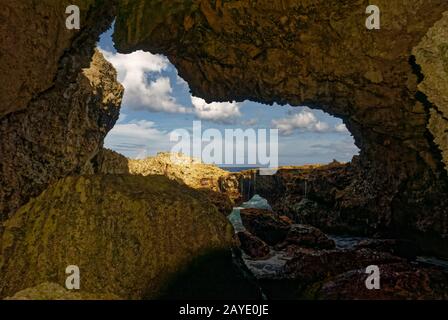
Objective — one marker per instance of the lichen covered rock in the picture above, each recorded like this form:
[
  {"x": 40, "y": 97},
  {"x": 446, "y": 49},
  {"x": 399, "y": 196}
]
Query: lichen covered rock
[
  {"x": 129, "y": 235},
  {"x": 189, "y": 171}
]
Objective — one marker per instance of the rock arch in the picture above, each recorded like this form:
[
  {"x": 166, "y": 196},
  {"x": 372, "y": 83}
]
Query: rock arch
[
  {"x": 386, "y": 84},
  {"x": 320, "y": 54}
]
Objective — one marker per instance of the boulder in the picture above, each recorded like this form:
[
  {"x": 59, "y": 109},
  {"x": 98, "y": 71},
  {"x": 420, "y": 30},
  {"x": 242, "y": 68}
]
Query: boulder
[
  {"x": 220, "y": 200},
  {"x": 286, "y": 219},
  {"x": 253, "y": 246},
  {"x": 265, "y": 225},
  {"x": 307, "y": 236},
  {"x": 309, "y": 265},
  {"x": 399, "y": 247},
  {"x": 398, "y": 281},
  {"x": 129, "y": 235}
]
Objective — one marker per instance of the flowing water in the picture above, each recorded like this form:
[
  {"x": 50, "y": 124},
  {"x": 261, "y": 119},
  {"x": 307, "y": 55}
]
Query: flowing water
[
  {"x": 261, "y": 269},
  {"x": 271, "y": 267}
]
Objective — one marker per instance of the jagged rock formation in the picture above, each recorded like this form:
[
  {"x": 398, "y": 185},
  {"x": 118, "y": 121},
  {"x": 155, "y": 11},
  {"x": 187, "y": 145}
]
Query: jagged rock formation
[
  {"x": 38, "y": 52},
  {"x": 319, "y": 53},
  {"x": 389, "y": 87},
  {"x": 108, "y": 162},
  {"x": 127, "y": 234},
  {"x": 58, "y": 134},
  {"x": 190, "y": 171},
  {"x": 59, "y": 97},
  {"x": 220, "y": 186},
  {"x": 310, "y": 195},
  {"x": 432, "y": 56}
]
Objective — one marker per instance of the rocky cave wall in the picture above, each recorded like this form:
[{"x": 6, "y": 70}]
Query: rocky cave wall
[
  {"x": 59, "y": 96},
  {"x": 320, "y": 54},
  {"x": 314, "y": 52}
]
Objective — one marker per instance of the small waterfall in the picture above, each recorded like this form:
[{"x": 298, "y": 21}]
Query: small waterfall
[
  {"x": 248, "y": 185},
  {"x": 235, "y": 220},
  {"x": 260, "y": 269},
  {"x": 255, "y": 182}
]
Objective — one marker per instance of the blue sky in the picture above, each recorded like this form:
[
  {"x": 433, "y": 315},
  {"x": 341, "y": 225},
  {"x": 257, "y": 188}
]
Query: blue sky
[{"x": 157, "y": 101}]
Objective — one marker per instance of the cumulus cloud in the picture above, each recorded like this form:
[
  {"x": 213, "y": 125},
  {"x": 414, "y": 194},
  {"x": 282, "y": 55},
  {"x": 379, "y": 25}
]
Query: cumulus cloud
[
  {"x": 220, "y": 112},
  {"x": 137, "y": 139},
  {"x": 306, "y": 121},
  {"x": 134, "y": 71},
  {"x": 303, "y": 121},
  {"x": 340, "y": 149},
  {"x": 250, "y": 123},
  {"x": 341, "y": 128}
]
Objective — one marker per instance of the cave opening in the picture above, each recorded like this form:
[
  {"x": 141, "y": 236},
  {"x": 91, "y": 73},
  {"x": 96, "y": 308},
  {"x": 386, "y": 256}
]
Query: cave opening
[
  {"x": 158, "y": 102},
  {"x": 64, "y": 195}
]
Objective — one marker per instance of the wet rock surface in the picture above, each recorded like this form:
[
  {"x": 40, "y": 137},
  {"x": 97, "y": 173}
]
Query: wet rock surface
[
  {"x": 306, "y": 236},
  {"x": 398, "y": 282},
  {"x": 265, "y": 224},
  {"x": 253, "y": 246},
  {"x": 309, "y": 264},
  {"x": 399, "y": 247}
]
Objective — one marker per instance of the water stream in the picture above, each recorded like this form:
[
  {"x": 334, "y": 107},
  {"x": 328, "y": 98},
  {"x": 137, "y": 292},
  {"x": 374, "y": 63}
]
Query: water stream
[{"x": 271, "y": 267}]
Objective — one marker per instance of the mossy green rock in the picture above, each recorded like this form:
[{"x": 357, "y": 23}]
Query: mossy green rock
[{"x": 129, "y": 235}]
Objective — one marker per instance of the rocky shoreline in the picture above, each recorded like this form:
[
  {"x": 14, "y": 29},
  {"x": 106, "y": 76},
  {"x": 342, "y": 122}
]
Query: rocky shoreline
[
  {"x": 297, "y": 261},
  {"x": 264, "y": 253},
  {"x": 160, "y": 229}
]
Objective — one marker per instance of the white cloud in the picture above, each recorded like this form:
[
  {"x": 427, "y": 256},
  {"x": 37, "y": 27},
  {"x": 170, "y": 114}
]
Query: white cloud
[
  {"x": 250, "y": 123},
  {"x": 341, "y": 128},
  {"x": 137, "y": 139},
  {"x": 306, "y": 121},
  {"x": 221, "y": 112},
  {"x": 303, "y": 121},
  {"x": 140, "y": 93}
]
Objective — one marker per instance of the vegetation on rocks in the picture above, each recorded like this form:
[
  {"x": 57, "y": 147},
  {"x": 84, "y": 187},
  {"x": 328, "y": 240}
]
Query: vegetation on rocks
[{"x": 128, "y": 235}]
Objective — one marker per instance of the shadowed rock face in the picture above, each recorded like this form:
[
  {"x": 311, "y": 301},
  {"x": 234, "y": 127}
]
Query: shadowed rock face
[
  {"x": 432, "y": 55},
  {"x": 58, "y": 134},
  {"x": 314, "y": 52},
  {"x": 59, "y": 96},
  {"x": 127, "y": 234},
  {"x": 319, "y": 53},
  {"x": 37, "y": 50}
]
